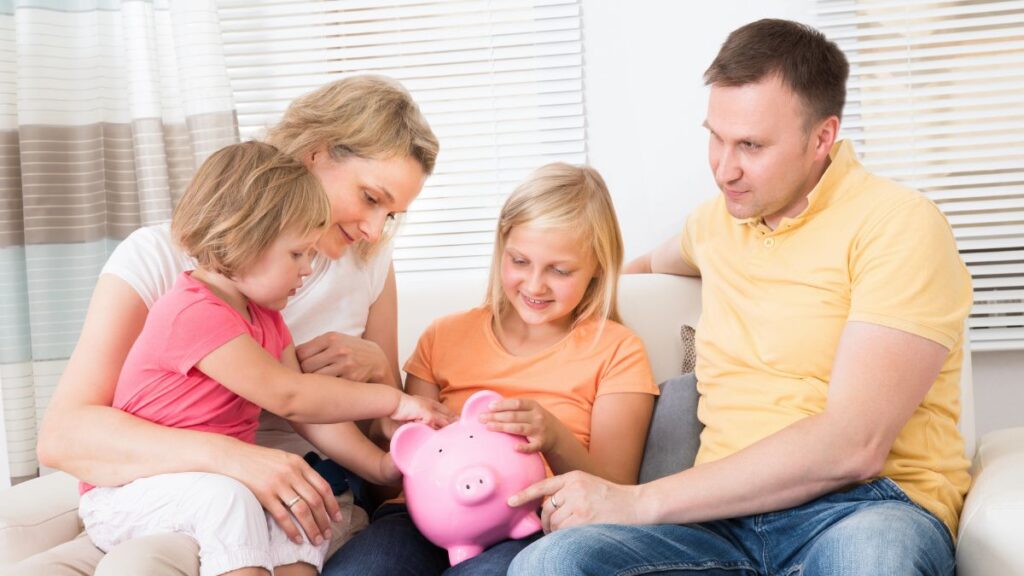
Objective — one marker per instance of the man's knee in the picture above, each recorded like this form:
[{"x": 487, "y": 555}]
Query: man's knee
[
  {"x": 159, "y": 555},
  {"x": 890, "y": 538},
  {"x": 563, "y": 552}
]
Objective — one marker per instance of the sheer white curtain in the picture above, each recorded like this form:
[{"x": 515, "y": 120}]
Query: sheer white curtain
[{"x": 106, "y": 109}]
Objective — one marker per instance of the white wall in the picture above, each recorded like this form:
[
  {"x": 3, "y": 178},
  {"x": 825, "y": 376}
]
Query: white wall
[
  {"x": 646, "y": 101},
  {"x": 645, "y": 105}
]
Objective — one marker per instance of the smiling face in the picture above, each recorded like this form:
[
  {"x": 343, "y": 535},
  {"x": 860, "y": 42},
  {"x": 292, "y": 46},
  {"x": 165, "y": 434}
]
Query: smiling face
[
  {"x": 278, "y": 272},
  {"x": 764, "y": 158},
  {"x": 544, "y": 275},
  {"x": 364, "y": 194}
]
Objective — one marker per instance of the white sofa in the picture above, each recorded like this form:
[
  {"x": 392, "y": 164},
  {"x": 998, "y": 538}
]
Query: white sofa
[{"x": 41, "y": 513}]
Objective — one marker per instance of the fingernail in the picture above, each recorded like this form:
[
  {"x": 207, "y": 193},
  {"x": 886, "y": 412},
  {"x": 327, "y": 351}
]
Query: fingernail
[
  {"x": 319, "y": 540},
  {"x": 493, "y": 405},
  {"x": 327, "y": 534},
  {"x": 513, "y": 501},
  {"x": 338, "y": 517},
  {"x": 297, "y": 539}
]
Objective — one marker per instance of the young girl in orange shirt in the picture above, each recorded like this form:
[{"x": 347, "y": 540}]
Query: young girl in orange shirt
[{"x": 577, "y": 383}]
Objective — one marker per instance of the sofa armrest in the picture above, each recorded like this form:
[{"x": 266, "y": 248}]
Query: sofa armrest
[
  {"x": 989, "y": 541},
  {"x": 37, "y": 515}
]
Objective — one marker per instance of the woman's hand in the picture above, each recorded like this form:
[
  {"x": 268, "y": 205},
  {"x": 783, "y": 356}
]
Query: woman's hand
[
  {"x": 526, "y": 418},
  {"x": 424, "y": 410},
  {"x": 349, "y": 357},
  {"x": 578, "y": 498},
  {"x": 276, "y": 478}
]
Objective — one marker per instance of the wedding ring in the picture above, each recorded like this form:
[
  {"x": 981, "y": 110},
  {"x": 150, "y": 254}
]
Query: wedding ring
[
  {"x": 554, "y": 505},
  {"x": 292, "y": 502}
]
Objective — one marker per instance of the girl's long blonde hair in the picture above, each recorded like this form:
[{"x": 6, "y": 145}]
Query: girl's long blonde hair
[
  {"x": 571, "y": 198},
  {"x": 366, "y": 116}
]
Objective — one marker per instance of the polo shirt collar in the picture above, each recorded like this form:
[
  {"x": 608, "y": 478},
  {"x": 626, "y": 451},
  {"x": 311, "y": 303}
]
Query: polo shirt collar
[{"x": 842, "y": 162}]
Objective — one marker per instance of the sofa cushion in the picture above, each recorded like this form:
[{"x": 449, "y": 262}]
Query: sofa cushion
[{"x": 674, "y": 435}]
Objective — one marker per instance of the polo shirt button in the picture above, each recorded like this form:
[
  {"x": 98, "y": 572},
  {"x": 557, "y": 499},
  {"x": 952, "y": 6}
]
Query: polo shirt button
[{"x": 769, "y": 242}]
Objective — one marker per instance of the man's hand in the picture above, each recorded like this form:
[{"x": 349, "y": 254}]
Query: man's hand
[{"x": 578, "y": 498}]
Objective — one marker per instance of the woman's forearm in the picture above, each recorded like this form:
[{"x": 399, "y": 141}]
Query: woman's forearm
[{"x": 102, "y": 456}]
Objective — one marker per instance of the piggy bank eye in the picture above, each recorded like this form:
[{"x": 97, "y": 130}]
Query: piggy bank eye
[
  {"x": 470, "y": 435},
  {"x": 439, "y": 450}
]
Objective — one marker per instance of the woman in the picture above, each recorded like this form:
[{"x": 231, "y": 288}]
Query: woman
[{"x": 367, "y": 142}]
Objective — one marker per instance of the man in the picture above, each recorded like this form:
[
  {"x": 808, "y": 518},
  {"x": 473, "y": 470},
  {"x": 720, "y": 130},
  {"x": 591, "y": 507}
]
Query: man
[{"x": 828, "y": 354}]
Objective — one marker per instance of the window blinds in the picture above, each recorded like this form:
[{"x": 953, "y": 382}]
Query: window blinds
[
  {"x": 500, "y": 82},
  {"x": 935, "y": 101}
]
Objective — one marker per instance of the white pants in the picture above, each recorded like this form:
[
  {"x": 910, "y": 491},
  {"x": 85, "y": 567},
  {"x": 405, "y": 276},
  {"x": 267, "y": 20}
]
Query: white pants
[{"x": 220, "y": 513}]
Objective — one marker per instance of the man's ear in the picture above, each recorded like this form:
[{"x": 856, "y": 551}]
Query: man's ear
[{"x": 824, "y": 136}]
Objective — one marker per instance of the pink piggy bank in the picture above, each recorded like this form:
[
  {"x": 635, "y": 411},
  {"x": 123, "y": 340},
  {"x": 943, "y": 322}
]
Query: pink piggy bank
[{"x": 458, "y": 479}]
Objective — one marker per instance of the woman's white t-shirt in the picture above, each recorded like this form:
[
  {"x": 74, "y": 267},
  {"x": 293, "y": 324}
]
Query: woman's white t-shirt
[{"x": 336, "y": 297}]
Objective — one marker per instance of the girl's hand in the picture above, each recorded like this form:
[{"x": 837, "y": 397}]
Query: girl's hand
[
  {"x": 526, "y": 418},
  {"x": 349, "y": 357},
  {"x": 276, "y": 477},
  {"x": 424, "y": 410}
]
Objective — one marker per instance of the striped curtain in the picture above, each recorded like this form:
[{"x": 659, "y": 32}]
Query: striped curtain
[{"x": 106, "y": 109}]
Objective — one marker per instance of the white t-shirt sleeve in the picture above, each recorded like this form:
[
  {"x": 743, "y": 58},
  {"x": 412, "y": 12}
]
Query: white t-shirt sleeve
[{"x": 148, "y": 261}]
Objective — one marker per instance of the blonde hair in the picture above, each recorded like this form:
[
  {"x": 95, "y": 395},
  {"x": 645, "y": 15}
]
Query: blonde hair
[
  {"x": 240, "y": 200},
  {"x": 571, "y": 198},
  {"x": 365, "y": 116}
]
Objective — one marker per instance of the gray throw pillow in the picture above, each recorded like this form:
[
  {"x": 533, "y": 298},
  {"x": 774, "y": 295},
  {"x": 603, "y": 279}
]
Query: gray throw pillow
[{"x": 674, "y": 436}]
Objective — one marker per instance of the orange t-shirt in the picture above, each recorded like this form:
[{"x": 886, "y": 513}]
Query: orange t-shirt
[{"x": 461, "y": 355}]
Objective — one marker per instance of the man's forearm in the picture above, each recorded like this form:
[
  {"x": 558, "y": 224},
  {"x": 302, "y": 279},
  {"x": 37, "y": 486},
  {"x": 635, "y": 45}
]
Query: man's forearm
[
  {"x": 639, "y": 265},
  {"x": 804, "y": 461}
]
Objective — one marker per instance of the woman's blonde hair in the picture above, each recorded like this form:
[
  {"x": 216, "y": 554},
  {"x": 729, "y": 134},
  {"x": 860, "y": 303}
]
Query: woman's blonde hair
[
  {"x": 570, "y": 198},
  {"x": 240, "y": 200},
  {"x": 366, "y": 116}
]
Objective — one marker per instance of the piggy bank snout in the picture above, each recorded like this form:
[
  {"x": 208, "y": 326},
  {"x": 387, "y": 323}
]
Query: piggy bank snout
[{"x": 475, "y": 484}]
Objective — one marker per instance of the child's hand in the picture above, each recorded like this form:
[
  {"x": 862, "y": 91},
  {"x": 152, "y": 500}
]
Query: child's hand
[
  {"x": 390, "y": 475},
  {"x": 525, "y": 418},
  {"x": 419, "y": 409},
  {"x": 388, "y": 427}
]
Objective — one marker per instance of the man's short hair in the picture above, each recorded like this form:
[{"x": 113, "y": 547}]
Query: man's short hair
[{"x": 803, "y": 58}]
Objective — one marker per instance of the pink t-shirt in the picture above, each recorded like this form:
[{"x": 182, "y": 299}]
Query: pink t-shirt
[{"x": 159, "y": 381}]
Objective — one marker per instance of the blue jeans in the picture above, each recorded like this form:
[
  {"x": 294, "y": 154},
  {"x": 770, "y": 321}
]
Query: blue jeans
[
  {"x": 392, "y": 546},
  {"x": 871, "y": 529}
]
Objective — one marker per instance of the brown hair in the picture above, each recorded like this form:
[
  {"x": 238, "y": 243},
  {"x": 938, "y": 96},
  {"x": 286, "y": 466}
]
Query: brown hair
[
  {"x": 240, "y": 200},
  {"x": 560, "y": 197},
  {"x": 805, "y": 60}
]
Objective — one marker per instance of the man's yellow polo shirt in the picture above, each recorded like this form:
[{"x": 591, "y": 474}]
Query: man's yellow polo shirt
[{"x": 776, "y": 301}]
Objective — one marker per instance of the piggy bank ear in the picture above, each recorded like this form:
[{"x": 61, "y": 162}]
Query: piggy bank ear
[
  {"x": 407, "y": 441},
  {"x": 477, "y": 404}
]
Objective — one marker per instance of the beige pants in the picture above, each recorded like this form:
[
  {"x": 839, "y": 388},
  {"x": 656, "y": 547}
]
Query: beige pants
[{"x": 161, "y": 555}]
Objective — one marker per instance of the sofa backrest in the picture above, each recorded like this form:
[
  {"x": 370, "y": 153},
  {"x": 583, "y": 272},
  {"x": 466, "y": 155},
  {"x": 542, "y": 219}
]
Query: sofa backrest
[{"x": 655, "y": 306}]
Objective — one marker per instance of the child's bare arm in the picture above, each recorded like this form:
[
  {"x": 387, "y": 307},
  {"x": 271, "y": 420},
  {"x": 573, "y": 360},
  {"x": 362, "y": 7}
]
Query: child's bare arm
[
  {"x": 345, "y": 444},
  {"x": 616, "y": 441},
  {"x": 246, "y": 369},
  {"x": 420, "y": 387}
]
